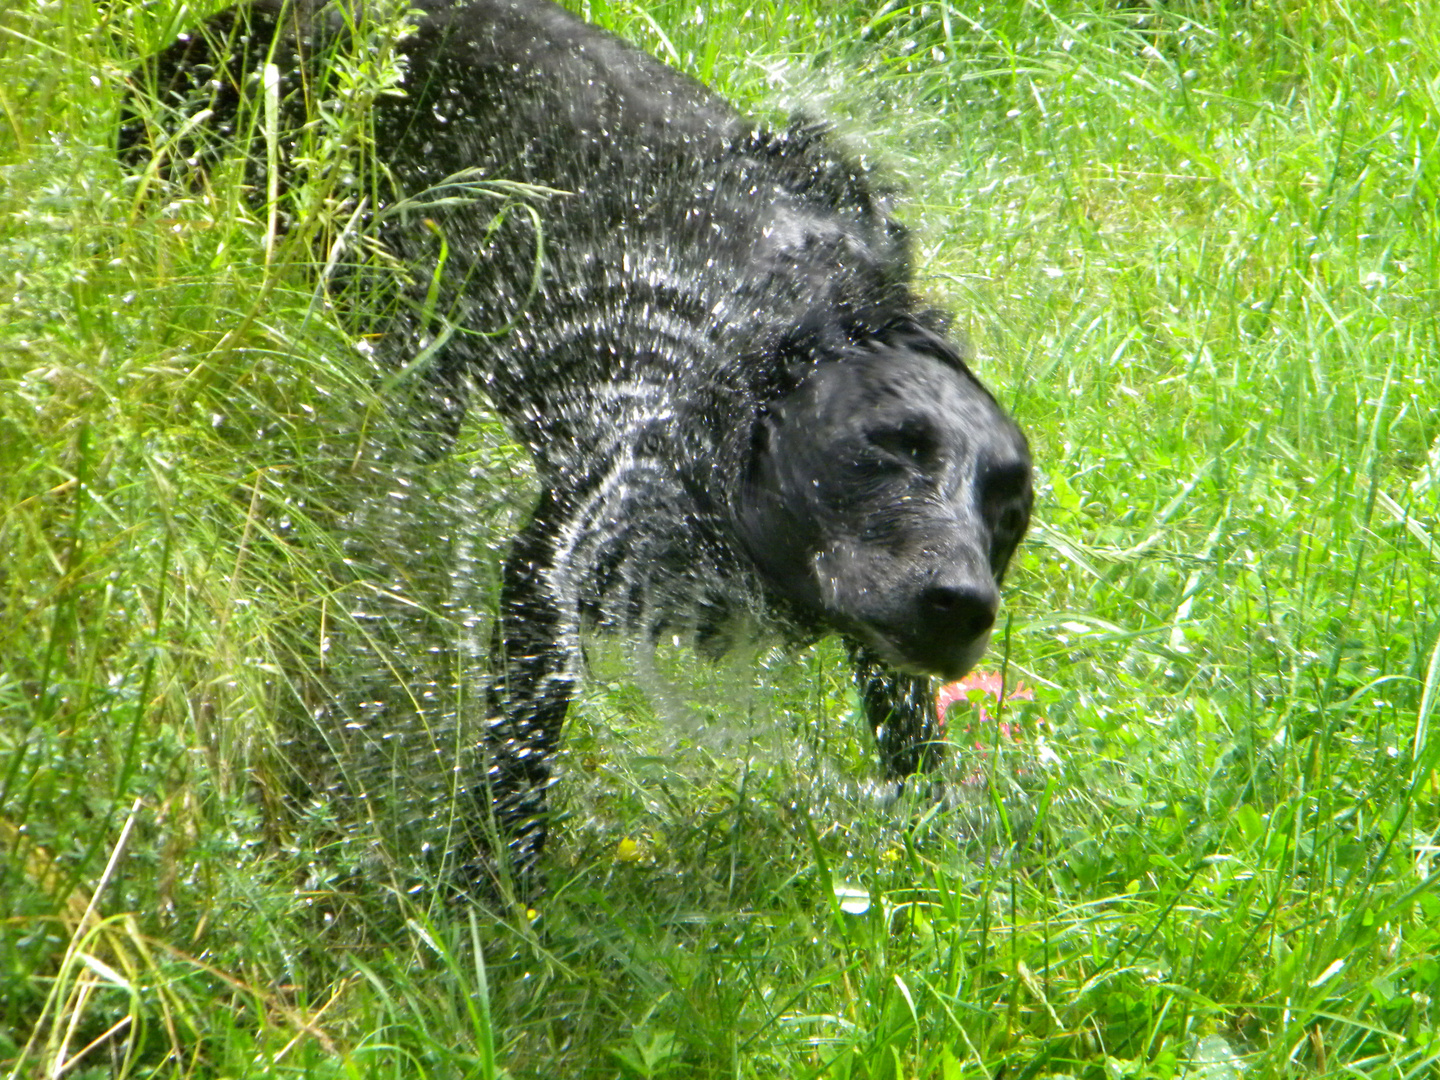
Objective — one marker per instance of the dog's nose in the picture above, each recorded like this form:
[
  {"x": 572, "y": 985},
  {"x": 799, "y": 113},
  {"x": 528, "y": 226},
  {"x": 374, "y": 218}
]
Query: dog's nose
[{"x": 959, "y": 610}]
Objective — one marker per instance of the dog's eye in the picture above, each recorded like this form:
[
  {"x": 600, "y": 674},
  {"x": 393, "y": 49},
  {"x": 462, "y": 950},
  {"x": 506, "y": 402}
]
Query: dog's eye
[
  {"x": 1004, "y": 483},
  {"x": 916, "y": 443}
]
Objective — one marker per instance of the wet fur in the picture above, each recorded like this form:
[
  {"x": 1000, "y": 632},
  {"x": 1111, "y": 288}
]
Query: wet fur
[{"x": 739, "y": 411}]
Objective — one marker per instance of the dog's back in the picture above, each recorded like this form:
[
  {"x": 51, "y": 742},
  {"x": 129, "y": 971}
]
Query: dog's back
[{"x": 686, "y": 249}]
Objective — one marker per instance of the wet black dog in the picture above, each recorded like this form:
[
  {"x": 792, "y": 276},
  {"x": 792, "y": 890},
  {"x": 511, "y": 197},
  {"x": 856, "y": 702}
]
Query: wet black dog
[{"x": 739, "y": 411}]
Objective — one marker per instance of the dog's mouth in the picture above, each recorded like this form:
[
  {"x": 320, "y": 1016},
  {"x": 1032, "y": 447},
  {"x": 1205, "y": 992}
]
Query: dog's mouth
[{"x": 937, "y": 655}]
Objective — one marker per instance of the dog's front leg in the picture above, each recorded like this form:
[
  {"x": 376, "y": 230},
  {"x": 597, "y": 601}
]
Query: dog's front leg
[{"x": 534, "y": 670}]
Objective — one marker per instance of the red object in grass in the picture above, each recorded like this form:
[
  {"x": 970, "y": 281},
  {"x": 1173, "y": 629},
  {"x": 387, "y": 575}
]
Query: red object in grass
[{"x": 992, "y": 687}]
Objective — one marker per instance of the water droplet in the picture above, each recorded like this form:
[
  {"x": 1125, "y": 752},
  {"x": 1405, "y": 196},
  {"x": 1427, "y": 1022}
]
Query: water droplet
[{"x": 853, "y": 899}]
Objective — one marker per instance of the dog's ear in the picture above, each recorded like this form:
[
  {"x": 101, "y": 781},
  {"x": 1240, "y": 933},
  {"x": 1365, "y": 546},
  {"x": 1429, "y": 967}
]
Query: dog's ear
[
  {"x": 760, "y": 442},
  {"x": 912, "y": 334},
  {"x": 784, "y": 358}
]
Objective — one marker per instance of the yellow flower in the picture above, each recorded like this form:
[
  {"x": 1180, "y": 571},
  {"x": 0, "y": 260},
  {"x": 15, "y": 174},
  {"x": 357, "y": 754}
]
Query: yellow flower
[{"x": 627, "y": 851}]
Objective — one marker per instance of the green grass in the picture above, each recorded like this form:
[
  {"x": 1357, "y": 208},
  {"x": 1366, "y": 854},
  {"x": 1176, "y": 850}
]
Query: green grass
[{"x": 1195, "y": 248}]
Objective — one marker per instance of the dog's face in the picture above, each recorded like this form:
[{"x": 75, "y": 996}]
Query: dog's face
[{"x": 886, "y": 494}]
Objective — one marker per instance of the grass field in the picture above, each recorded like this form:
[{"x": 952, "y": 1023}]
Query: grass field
[{"x": 1196, "y": 247}]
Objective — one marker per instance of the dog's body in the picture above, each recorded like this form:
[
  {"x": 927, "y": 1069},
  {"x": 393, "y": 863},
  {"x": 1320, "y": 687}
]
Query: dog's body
[{"x": 738, "y": 410}]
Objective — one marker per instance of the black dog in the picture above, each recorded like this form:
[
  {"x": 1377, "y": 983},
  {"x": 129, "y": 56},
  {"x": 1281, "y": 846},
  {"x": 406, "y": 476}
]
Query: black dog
[{"x": 739, "y": 411}]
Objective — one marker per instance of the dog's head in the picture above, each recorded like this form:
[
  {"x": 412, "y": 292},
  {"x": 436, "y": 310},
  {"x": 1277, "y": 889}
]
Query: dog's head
[{"x": 885, "y": 494}]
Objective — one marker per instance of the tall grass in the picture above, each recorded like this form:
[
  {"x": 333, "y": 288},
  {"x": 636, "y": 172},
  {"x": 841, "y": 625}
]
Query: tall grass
[{"x": 1195, "y": 249}]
